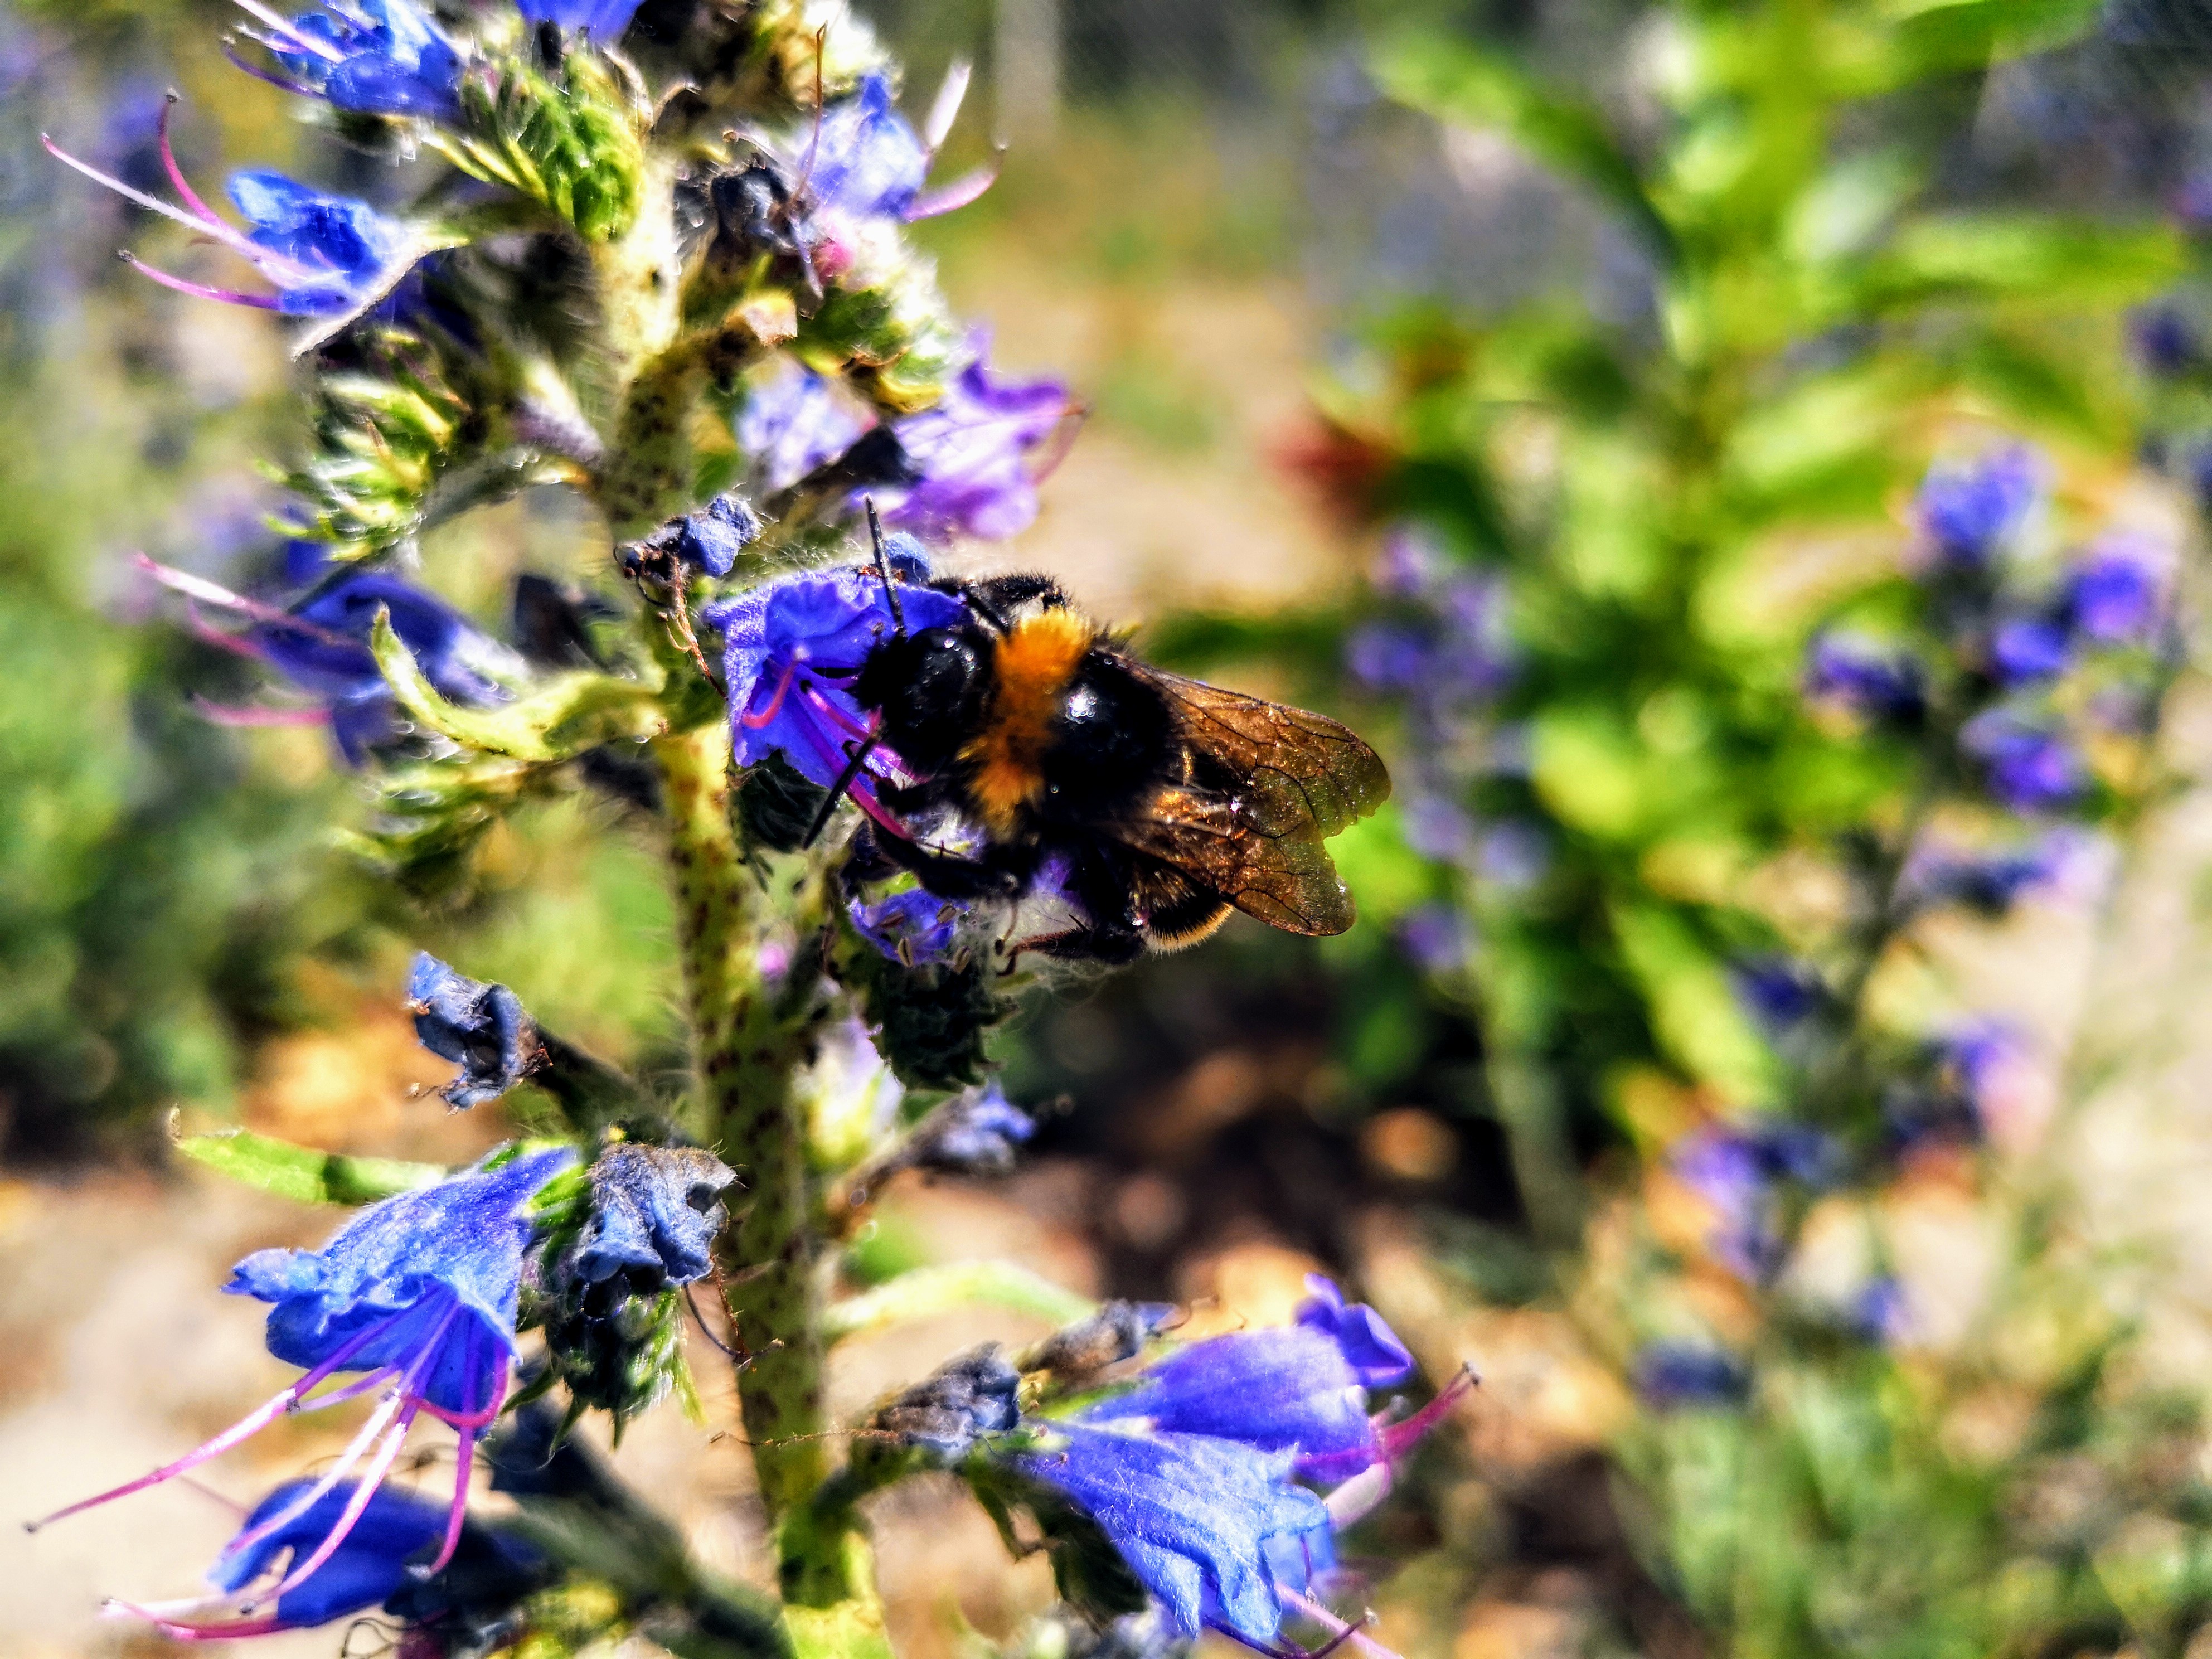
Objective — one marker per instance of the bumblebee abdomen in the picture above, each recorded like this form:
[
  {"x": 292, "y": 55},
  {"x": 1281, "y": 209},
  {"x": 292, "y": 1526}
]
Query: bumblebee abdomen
[{"x": 1032, "y": 670}]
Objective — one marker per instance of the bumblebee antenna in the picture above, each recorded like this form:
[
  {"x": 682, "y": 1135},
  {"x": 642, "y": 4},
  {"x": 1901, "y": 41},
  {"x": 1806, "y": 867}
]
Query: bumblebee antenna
[
  {"x": 860, "y": 757},
  {"x": 883, "y": 567}
]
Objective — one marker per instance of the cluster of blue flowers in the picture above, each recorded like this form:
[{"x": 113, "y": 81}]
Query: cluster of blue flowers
[
  {"x": 2005, "y": 655},
  {"x": 414, "y": 1303},
  {"x": 1200, "y": 1474},
  {"x": 1442, "y": 649}
]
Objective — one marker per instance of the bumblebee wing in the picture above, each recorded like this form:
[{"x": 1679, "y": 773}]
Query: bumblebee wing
[
  {"x": 1291, "y": 769},
  {"x": 1220, "y": 843}
]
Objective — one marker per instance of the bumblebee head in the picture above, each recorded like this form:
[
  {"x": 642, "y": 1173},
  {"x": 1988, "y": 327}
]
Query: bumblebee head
[{"x": 930, "y": 689}]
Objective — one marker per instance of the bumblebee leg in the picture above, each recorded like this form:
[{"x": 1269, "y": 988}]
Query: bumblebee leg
[{"x": 949, "y": 877}]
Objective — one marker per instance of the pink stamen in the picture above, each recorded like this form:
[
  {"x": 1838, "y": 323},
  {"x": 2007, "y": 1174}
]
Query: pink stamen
[
  {"x": 282, "y": 83},
  {"x": 229, "y": 296},
  {"x": 207, "y": 592},
  {"x": 866, "y": 801},
  {"x": 969, "y": 186},
  {"x": 1358, "y": 1497},
  {"x": 228, "y": 234},
  {"x": 1064, "y": 434},
  {"x": 754, "y": 722},
  {"x": 379, "y": 1420},
  {"x": 169, "y": 162},
  {"x": 367, "y": 1384},
  {"x": 1336, "y": 1627},
  {"x": 249, "y": 715},
  {"x": 302, "y": 42},
  {"x": 944, "y": 108},
  {"x": 835, "y": 715},
  {"x": 245, "y": 1429},
  {"x": 457, "y": 1517},
  {"x": 226, "y": 1630},
  {"x": 371, "y": 1480},
  {"x": 1399, "y": 1438},
  {"x": 208, "y": 634}
]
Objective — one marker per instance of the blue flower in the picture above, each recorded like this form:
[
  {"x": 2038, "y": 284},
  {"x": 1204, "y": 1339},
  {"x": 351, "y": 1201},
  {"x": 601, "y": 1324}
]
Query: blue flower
[
  {"x": 1855, "y": 673},
  {"x": 340, "y": 252},
  {"x": 1965, "y": 511},
  {"x": 369, "y": 1567},
  {"x": 867, "y": 160},
  {"x": 655, "y": 1214},
  {"x": 370, "y": 57},
  {"x": 1197, "y": 1519},
  {"x": 1435, "y": 937},
  {"x": 1672, "y": 1374},
  {"x": 972, "y": 458},
  {"x": 2116, "y": 596},
  {"x": 2167, "y": 342},
  {"x": 792, "y": 421},
  {"x": 1991, "y": 883},
  {"x": 1300, "y": 1389},
  {"x": 326, "y": 254},
  {"x": 789, "y": 648},
  {"x": 2030, "y": 766},
  {"x": 913, "y": 927},
  {"x": 711, "y": 539},
  {"x": 418, "y": 1293},
  {"x": 1737, "y": 1171},
  {"x": 481, "y": 1027},
  {"x": 1387, "y": 656},
  {"x": 976, "y": 1131},
  {"x": 603, "y": 20},
  {"x": 321, "y": 645},
  {"x": 1781, "y": 992},
  {"x": 2024, "y": 649}
]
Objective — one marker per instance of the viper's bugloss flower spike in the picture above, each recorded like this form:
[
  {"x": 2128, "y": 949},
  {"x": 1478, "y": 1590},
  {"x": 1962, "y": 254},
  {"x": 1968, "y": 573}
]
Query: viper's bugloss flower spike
[
  {"x": 976, "y": 1132},
  {"x": 2029, "y": 763},
  {"x": 326, "y": 254},
  {"x": 654, "y": 1212},
  {"x": 975, "y": 457},
  {"x": 1967, "y": 511},
  {"x": 482, "y": 1028},
  {"x": 418, "y": 1293},
  {"x": 321, "y": 645},
  {"x": 789, "y": 649},
  {"x": 1197, "y": 1519},
  {"x": 602, "y": 20},
  {"x": 369, "y": 57},
  {"x": 1300, "y": 1389},
  {"x": 1847, "y": 670}
]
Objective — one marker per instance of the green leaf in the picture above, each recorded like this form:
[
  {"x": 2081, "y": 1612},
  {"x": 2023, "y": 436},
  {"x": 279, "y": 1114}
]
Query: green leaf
[
  {"x": 572, "y": 712},
  {"x": 1698, "y": 1018},
  {"x": 305, "y": 1173},
  {"x": 1457, "y": 82},
  {"x": 2022, "y": 258}
]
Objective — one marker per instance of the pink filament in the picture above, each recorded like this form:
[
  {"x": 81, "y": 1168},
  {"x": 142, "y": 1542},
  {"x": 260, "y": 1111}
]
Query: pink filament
[
  {"x": 229, "y": 296},
  {"x": 224, "y": 714},
  {"x": 207, "y": 592},
  {"x": 245, "y": 1429},
  {"x": 457, "y": 1517},
  {"x": 356, "y": 1506},
  {"x": 947, "y": 198},
  {"x": 830, "y": 712},
  {"x": 1335, "y": 1626},
  {"x": 223, "y": 1630},
  {"x": 754, "y": 722},
  {"x": 378, "y": 1421},
  {"x": 169, "y": 162}
]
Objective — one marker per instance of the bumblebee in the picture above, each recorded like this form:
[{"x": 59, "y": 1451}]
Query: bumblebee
[{"x": 1159, "y": 804}]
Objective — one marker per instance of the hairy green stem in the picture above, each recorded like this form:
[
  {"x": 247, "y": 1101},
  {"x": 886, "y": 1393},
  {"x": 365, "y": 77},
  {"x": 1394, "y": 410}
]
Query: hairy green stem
[{"x": 750, "y": 1037}]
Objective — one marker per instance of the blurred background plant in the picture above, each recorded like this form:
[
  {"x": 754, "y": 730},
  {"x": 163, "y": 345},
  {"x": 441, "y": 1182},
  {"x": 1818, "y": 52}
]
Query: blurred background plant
[{"x": 1745, "y": 456}]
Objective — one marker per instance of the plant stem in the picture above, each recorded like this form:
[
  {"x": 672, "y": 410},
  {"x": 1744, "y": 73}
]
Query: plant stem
[{"x": 750, "y": 1037}]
